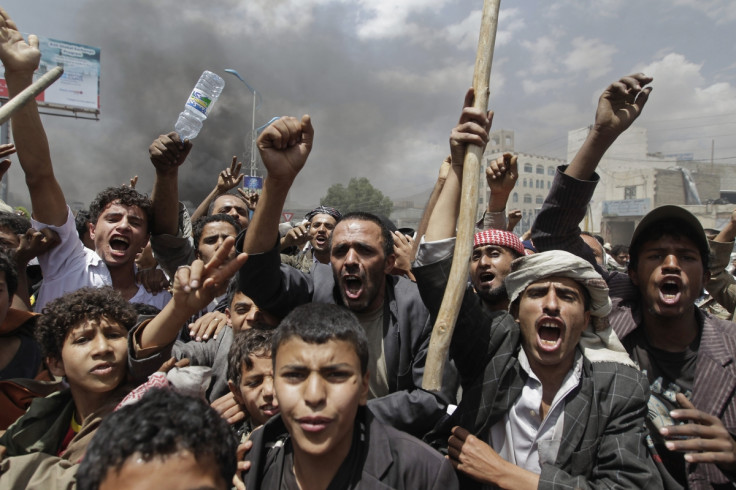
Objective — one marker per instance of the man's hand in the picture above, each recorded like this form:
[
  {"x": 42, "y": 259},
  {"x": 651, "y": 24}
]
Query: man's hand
[
  {"x": 704, "y": 440},
  {"x": 478, "y": 460},
  {"x": 208, "y": 325},
  {"x": 168, "y": 152},
  {"x": 513, "y": 219},
  {"x": 284, "y": 146},
  {"x": 472, "y": 129},
  {"x": 250, "y": 198},
  {"x": 195, "y": 286},
  {"x": 153, "y": 280},
  {"x": 403, "y": 247},
  {"x": 620, "y": 105},
  {"x": 243, "y": 466},
  {"x": 228, "y": 409},
  {"x": 34, "y": 243},
  {"x": 230, "y": 177},
  {"x": 17, "y": 55},
  {"x": 502, "y": 174},
  {"x": 473, "y": 457},
  {"x": 5, "y": 151},
  {"x": 296, "y": 237},
  {"x": 172, "y": 363},
  {"x": 133, "y": 181}
]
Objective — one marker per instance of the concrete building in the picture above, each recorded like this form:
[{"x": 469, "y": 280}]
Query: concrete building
[
  {"x": 634, "y": 181},
  {"x": 535, "y": 178}
]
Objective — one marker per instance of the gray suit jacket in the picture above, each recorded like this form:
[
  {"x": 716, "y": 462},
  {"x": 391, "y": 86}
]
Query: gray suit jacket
[{"x": 603, "y": 444}]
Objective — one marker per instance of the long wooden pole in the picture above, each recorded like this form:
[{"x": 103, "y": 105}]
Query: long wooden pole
[
  {"x": 29, "y": 93},
  {"x": 439, "y": 344}
]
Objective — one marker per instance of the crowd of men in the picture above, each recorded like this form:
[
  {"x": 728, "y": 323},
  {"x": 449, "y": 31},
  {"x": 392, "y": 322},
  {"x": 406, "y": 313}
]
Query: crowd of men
[{"x": 144, "y": 347}]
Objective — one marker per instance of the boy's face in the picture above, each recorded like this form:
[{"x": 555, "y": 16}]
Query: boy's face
[
  {"x": 319, "y": 388},
  {"x": 94, "y": 357},
  {"x": 243, "y": 313},
  {"x": 213, "y": 234},
  {"x": 120, "y": 233},
  {"x": 179, "y": 470},
  {"x": 255, "y": 391},
  {"x": 670, "y": 275}
]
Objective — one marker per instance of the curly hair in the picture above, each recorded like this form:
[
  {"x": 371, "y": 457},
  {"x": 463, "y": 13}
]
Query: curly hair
[
  {"x": 247, "y": 343},
  {"x": 68, "y": 311},
  {"x": 163, "y": 423},
  {"x": 125, "y": 196},
  {"x": 14, "y": 222}
]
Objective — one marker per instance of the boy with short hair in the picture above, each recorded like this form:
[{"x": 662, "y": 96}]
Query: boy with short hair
[
  {"x": 250, "y": 378},
  {"x": 324, "y": 434},
  {"x": 167, "y": 440}
]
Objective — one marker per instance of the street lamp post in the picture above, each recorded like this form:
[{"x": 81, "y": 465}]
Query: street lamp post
[{"x": 253, "y": 121}]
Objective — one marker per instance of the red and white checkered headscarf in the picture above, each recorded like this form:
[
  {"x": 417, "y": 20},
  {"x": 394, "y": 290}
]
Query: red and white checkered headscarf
[{"x": 499, "y": 237}]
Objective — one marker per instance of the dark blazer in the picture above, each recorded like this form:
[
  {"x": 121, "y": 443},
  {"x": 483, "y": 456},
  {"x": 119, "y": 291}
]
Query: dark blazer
[
  {"x": 714, "y": 387},
  {"x": 604, "y": 434},
  {"x": 394, "y": 459}
]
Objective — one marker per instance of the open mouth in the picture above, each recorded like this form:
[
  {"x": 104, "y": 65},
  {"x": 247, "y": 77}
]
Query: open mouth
[
  {"x": 670, "y": 291},
  {"x": 486, "y": 278},
  {"x": 119, "y": 244},
  {"x": 102, "y": 369},
  {"x": 353, "y": 286},
  {"x": 320, "y": 240},
  {"x": 549, "y": 335}
]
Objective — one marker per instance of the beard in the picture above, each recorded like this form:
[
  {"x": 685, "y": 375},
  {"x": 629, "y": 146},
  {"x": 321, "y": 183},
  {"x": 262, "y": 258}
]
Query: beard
[{"x": 494, "y": 296}]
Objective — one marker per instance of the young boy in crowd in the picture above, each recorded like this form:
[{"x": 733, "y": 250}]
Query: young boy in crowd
[
  {"x": 329, "y": 438},
  {"x": 250, "y": 378},
  {"x": 167, "y": 440},
  {"x": 84, "y": 338}
]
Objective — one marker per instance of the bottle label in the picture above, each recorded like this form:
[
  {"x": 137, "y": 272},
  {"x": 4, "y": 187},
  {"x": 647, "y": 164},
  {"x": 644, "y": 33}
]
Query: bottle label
[{"x": 199, "y": 101}]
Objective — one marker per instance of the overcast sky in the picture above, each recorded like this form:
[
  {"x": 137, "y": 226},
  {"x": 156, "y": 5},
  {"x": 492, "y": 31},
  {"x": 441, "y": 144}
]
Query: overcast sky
[{"x": 383, "y": 80}]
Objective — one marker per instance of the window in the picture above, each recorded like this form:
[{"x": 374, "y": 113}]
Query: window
[
  {"x": 515, "y": 197},
  {"x": 524, "y": 182},
  {"x": 630, "y": 192},
  {"x": 551, "y": 170},
  {"x": 540, "y": 199},
  {"x": 527, "y": 198},
  {"x": 540, "y": 169},
  {"x": 528, "y": 168},
  {"x": 549, "y": 184}
]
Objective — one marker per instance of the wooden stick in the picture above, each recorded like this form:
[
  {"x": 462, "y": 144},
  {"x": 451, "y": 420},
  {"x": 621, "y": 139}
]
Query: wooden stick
[
  {"x": 439, "y": 345},
  {"x": 29, "y": 93}
]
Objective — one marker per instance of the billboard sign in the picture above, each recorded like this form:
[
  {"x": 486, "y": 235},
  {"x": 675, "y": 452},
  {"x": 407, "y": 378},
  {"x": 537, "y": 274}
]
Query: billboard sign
[
  {"x": 628, "y": 207},
  {"x": 253, "y": 183},
  {"x": 79, "y": 87}
]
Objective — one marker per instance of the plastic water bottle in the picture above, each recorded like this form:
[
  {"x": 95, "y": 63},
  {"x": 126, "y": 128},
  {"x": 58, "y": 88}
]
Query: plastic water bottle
[{"x": 200, "y": 102}]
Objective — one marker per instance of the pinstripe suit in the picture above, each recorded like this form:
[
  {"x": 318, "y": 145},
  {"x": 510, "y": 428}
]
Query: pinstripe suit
[
  {"x": 603, "y": 436},
  {"x": 714, "y": 387}
]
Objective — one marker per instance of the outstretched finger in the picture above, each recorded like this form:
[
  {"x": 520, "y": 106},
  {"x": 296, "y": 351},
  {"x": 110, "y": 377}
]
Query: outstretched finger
[
  {"x": 233, "y": 164},
  {"x": 7, "y": 150}
]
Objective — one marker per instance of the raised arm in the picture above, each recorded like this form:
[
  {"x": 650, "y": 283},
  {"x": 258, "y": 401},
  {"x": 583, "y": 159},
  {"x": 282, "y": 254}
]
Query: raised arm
[
  {"x": 284, "y": 148},
  {"x": 167, "y": 153},
  {"x": 21, "y": 59},
  {"x": 501, "y": 176},
  {"x": 618, "y": 107},
  {"x": 473, "y": 129},
  {"x": 228, "y": 178}
]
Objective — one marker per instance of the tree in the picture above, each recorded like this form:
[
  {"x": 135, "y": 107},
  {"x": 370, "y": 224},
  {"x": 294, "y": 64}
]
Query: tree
[{"x": 359, "y": 195}]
